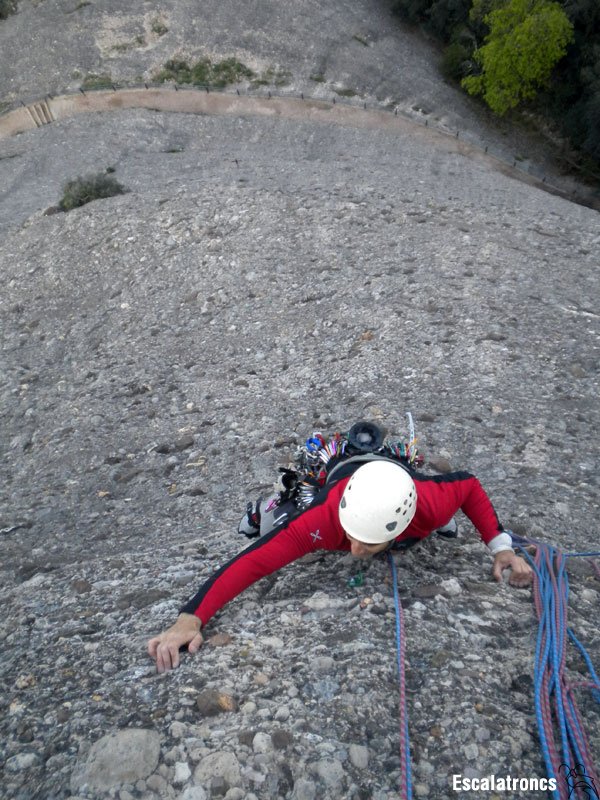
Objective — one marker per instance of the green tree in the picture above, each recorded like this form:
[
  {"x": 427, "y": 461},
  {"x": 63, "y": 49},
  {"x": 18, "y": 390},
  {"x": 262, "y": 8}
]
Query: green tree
[
  {"x": 480, "y": 9},
  {"x": 527, "y": 39}
]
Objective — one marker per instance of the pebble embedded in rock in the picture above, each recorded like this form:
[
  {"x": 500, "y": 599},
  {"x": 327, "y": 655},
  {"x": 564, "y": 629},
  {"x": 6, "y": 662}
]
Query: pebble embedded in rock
[
  {"x": 81, "y": 586},
  {"x": 22, "y": 762},
  {"x": 25, "y": 681},
  {"x": 471, "y": 751},
  {"x": 129, "y": 755},
  {"x": 184, "y": 442},
  {"x": 220, "y": 764},
  {"x": 482, "y": 734},
  {"x": 234, "y": 794},
  {"x": 212, "y": 702},
  {"x": 178, "y": 730},
  {"x": 282, "y": 714},
  {"x": 323, "y": 664},
  {"x": 246, "y": 737},
  {"x": 359, "y": 755},
  {"x": 331, "y": 772},
  {"x": 304, "y": 790},
  {"x": 262, "y": 743},
  {"x": 182, "y": 773},
  {"x": 451, "y": 587},
  {"x": 281, "y": 739},
  {"x": 157, "y": 784},
  {"x": 193, "y": 793}
]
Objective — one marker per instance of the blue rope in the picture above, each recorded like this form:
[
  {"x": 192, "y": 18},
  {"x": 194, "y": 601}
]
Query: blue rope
[
  {"x": 541, "y": 659},
  {"x": 588, "y": 661},
  {"x": 553, "y": 634},
  {"x": 523, "y": 541},
  {"x": 581, "y": 555},
  {"x": 553, "y": 597},
  {"x": 399, "y": 648}
]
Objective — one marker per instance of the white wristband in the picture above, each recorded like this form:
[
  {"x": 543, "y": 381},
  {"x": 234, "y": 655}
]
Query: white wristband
[{"x": 500, "y": 543}]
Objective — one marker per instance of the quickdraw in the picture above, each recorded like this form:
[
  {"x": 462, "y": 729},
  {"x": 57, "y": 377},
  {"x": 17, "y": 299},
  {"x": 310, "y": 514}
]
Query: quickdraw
[{"x": 314, "y": 460}]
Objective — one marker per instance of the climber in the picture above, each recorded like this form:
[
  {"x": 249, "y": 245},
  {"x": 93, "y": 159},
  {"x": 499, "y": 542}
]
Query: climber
[{"x": 380, "y": 505}]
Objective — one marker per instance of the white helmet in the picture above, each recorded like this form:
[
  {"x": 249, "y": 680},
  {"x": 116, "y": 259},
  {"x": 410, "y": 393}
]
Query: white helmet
[{"x": 378, "y": 503}]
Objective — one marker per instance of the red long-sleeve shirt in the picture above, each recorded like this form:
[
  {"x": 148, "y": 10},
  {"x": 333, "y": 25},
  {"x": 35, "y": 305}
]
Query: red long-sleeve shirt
[{"x": 319, "y": 528}]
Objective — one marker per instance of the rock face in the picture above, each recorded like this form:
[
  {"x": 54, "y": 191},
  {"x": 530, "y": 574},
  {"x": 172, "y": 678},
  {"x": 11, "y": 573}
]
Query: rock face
[{"x": 164, "y": 352}]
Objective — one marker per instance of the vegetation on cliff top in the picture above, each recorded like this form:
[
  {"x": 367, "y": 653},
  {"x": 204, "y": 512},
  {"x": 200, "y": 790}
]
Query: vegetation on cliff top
[
  {"x": 84, "y": 189},
  {"x": 538, "y": 55},
  {"x": 205, "y": 72}
]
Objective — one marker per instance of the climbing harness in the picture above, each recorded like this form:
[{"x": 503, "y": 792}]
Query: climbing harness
[
  {"x": 405, "y": 767},
  {"x": 565, "y": 745}
]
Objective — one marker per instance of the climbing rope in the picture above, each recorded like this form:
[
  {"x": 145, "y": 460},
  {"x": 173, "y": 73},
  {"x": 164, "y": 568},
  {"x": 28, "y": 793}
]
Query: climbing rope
[
  {"x": 565, "y": 746},
  {"x": 405, "y": 768}
]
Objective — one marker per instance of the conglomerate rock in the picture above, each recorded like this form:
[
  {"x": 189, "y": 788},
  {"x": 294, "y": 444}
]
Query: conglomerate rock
[{"x": 166, "y": 350}]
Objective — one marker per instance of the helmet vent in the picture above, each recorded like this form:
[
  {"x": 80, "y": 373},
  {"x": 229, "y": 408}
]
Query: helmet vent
[
  {"x": 343, "y": 502},
  {"x": 391, "y": 526},
  {"x": 399, "y": 509}
]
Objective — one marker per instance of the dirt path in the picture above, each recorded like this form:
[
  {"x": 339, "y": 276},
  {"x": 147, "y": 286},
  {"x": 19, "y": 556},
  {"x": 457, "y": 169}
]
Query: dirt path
[{"x": 188, "y": 101}]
